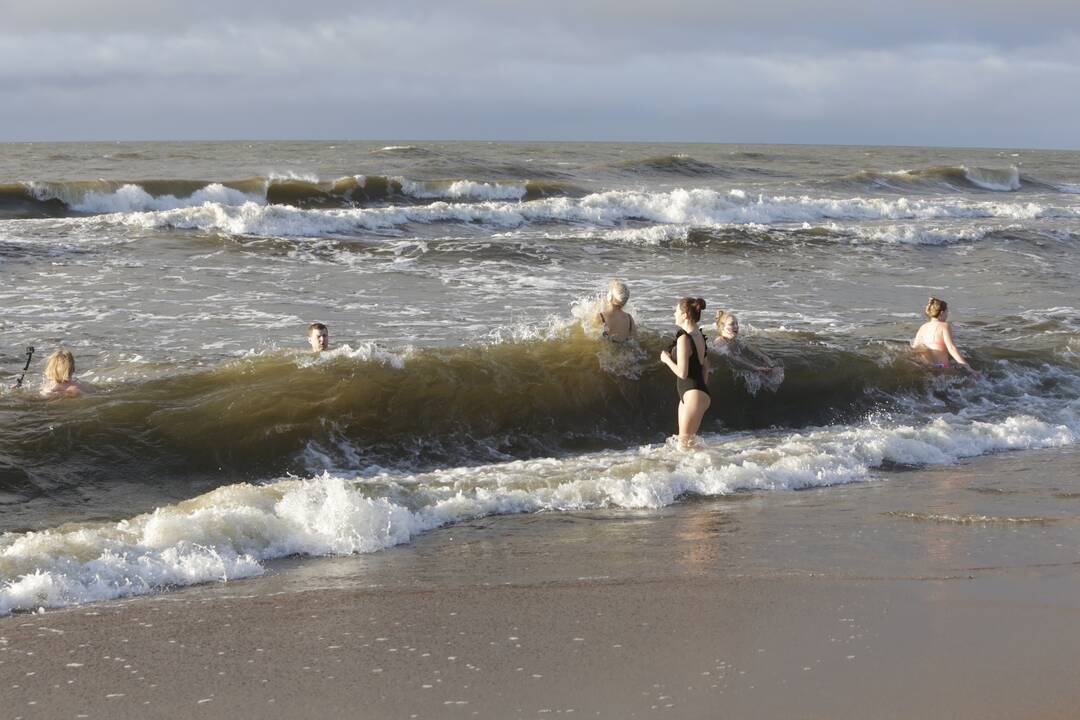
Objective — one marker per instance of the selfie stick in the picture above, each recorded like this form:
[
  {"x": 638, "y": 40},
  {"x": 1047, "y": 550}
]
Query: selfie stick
[{"x": 29, "y": 355}]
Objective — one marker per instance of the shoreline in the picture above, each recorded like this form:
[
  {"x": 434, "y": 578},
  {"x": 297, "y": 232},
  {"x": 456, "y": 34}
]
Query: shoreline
[{"x": 826, "y": 603}]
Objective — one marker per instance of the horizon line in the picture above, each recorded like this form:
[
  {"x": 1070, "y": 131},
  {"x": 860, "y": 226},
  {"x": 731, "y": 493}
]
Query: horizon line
[{"x": 535, "y": 141}]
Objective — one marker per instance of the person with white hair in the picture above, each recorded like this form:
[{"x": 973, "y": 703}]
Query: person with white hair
[{"x": 618, "y": 324}]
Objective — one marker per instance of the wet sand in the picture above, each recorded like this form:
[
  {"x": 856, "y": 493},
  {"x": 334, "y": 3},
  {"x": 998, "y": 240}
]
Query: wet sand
[{"x": 948, "y": 592}]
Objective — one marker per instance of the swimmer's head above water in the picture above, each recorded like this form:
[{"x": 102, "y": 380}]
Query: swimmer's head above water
[
  {"x": 727, "y": 324},
  {"x": 936, "y": 309},
  {"x": 618, "y": 294},
  {"x": 689, "y": 310},
  {"x": 60, "y": 367},
  {"x": 60, "y": 376},
  {"x": 318, "y": 337}
]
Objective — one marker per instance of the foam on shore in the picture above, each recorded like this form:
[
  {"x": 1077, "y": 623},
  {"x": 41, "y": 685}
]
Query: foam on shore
[{"x": 233, "y": 531}]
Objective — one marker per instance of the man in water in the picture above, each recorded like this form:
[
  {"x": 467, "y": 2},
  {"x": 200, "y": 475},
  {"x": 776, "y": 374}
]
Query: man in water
[{"x": 318, "y": 337}]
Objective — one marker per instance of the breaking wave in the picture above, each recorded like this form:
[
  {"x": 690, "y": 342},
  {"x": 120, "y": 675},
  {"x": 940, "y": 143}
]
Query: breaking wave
[
  {"x": 560, "y": 391},
  {"x": 234, "y": 530},
  {"x": 57, "y": 199},
  {"x": 698, "y": 207},
  {"x": 961, "y": 177}
]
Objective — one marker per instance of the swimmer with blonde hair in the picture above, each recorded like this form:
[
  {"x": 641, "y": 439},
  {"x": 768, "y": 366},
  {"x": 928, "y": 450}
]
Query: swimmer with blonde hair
[
  {"x": 736, "y": 352},
  {"x": 59, "y": 376},
  {"x": 318, "y": 337},
  {"x": 618, "y": 324},
  {"x": 934, "y": 338}
]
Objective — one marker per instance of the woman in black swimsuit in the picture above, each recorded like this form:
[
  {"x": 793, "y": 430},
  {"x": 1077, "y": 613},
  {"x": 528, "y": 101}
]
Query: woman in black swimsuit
[{"x": 690, "y": 365}]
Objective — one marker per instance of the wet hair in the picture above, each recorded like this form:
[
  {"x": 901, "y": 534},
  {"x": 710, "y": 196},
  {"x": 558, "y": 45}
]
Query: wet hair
[
  {"x": 692, "y": 307},
  {"x": 722, "y": 316},
  {"x": 317, "y": 327},
  {"x": 935, "y": 307},
  {"x": 60, "y": 366},
  {"x": 618, "y": 293}
]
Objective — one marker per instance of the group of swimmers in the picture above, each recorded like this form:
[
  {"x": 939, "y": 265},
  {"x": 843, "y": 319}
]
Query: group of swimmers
[
  {"x": 59, "y": 376},
  {"x": 686, "y": 357}
]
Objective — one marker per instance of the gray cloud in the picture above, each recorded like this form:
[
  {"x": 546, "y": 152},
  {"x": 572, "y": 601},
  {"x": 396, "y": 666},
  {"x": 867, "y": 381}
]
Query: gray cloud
[{"x": 984, "y": 73}]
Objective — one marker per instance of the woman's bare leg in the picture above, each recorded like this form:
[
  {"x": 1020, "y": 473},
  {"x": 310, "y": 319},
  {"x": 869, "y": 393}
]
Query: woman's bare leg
[{"x": 692, "y": 409}]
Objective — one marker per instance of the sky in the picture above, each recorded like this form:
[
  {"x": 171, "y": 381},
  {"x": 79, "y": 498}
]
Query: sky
[{"x": 985, "y": 73}]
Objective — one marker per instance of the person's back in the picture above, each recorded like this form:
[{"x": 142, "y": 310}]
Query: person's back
[
  {"x": 930, "y": 337},
  {"x": 618, "y": 324},
  {"x": 934, "y": 338}
]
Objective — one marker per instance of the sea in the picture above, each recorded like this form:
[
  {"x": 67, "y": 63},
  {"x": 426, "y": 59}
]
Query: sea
[{"x": 467, "y": 376}]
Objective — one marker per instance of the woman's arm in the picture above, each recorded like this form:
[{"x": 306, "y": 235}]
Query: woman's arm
[
  {"x": 732, "y": 354},
  {"x": 682, "y": 367},
  {"x": 915, "y": 341},
  {"x": 760, "y": 355},
  {"x": 946, "y": 335}
]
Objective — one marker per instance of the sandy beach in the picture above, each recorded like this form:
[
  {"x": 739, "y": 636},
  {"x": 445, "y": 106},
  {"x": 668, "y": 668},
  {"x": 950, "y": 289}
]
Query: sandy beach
[{"x": 836, "y": 603}]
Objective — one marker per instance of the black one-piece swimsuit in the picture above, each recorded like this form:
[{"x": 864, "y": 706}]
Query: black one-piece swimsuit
[{"x": 695, "y": 376}]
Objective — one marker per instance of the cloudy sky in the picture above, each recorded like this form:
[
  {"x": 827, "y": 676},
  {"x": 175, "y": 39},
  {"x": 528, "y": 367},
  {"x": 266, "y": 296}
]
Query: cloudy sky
[{"x": 964, "y": 72}]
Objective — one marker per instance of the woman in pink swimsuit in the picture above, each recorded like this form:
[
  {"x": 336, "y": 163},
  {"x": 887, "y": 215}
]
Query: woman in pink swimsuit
[{"x": 935, "y": 340}]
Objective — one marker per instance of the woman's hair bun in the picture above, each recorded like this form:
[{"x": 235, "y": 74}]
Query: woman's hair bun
[
  {"x": 935, "y": 306},
  {"x": 692, "y": 307}
]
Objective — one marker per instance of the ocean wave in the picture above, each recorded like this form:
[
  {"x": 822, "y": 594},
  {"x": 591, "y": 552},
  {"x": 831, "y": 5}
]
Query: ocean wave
[
  {"x": 472, "y": 190},
  {"x": 52, "y": 199},
  {"x": 675, "y": 164},
  {"x": 133, "y": 198},
  {"x": 949, "y": 178},
  {"x": 405, "y": 151},
  {"x": 539, "y": 390},
  {"x": 896, "y": 234},
  {"x": 759, "y": 235},
  {"x": 233, "y": 531},
  {"x": 698, "y": 207},
  {"x": 996, "y": 179}
]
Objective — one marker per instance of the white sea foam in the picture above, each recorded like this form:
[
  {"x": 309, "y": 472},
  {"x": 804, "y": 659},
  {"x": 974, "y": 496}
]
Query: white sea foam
[
  {"x": 652, "y": 235},
  {"x": 368, "y": 352},
  {"x": 608, "y": 209},
  {"x": 232, "y": 531},
  {"x": 462, "y": 190},
  {"x": 133, "y": 198},
  {"x": 290, "y": 175},
  {"x": 912, "y": 234}
]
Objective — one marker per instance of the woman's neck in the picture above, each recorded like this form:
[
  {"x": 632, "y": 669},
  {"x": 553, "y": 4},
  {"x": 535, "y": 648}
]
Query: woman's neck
[{"x": 689, "y": 327}]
